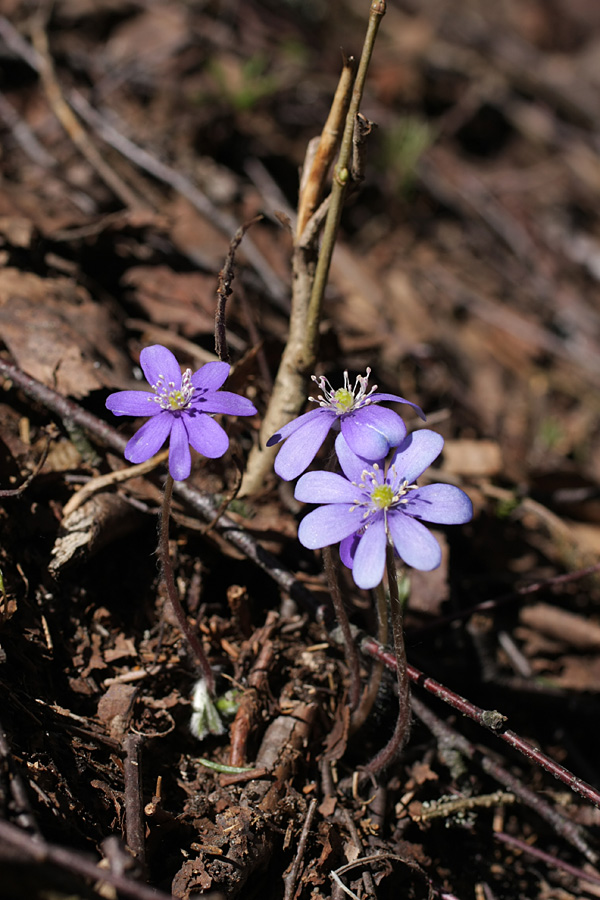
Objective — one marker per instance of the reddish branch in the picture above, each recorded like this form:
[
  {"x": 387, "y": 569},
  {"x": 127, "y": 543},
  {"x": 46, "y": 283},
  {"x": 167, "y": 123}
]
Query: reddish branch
[
  {"x": 591, "y": 877},
  {"x": 450, "y": 740},
  {"x": 490, "y": 719}
]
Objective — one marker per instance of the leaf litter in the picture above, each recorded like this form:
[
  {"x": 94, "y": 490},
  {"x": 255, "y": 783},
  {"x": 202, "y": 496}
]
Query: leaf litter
[{"x": 468, "y": 280}]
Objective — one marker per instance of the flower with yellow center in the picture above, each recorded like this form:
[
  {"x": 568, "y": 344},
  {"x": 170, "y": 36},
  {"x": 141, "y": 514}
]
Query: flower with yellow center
[
  {"x": 369, "y": 506},
  {"x": 180, "y": 407},
  {"x": 370, "y": 430}
]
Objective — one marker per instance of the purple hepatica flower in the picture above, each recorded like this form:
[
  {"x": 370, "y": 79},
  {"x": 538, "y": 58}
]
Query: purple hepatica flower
[
  {"x": 370, "y": 506},
  {"x": 179, "y": 406},
  {"x": 370, "y": 430}
]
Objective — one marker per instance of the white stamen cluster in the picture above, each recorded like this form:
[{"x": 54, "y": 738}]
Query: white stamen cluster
[
  {"x": 347, "y": 398},
  {"x": 171, "y": 398},
  {"x": 381, "y": 495}
]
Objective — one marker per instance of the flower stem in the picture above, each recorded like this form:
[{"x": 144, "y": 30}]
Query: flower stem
[
  {"x": 167, "y": 573},
  {"x": 331, "y": 571},
  {"x": 402, "y": 729},
  {"x": 360, "y": 714}
]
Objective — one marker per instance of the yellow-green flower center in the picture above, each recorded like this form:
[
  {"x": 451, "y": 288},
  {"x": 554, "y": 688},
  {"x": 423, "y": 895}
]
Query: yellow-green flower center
[
  {"x": 346, "y": 399},
  {"x": 343, "y": 399},
  {"x": 176, "y": 400},
  {"x": 382, "y": 496},
  {"x": 171, "y": 398}
]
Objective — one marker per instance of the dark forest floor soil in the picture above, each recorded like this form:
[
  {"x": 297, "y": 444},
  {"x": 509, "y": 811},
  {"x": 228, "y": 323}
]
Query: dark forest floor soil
[{"x": 136, "y": 137}]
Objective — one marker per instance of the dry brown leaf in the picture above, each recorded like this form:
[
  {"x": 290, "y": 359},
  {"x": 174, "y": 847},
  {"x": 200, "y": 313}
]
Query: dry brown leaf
[
  {"x": 55, "y": 332},
  {"x": 474, "y": 458},
  {"x": 151, "y": 38},
  {"x": 114, "y": 708},
  {"x": 174, "y": 298}
]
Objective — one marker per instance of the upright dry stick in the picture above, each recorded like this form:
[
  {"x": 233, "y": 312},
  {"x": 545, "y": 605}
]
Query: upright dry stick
[{"x": 300, "y": 354}]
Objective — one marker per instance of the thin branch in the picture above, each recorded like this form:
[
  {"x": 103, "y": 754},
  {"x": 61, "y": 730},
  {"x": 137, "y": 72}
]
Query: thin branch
[
  {"x": 134, "y": 804},
  {"x": 72, "y": 126},
  {"x": 490, "y": 719},
  {"x": 224, "y": 290},
  {"x": 591, "y": 877},
  {"x": 316, "y": 169},
  {"x": 291, "y": 879},
  {"x": 74, "y": 862},
  {"x": 300, "y": 353},
  {"x": 449, "y": 741},
  {"x": 341, "y": 180}
]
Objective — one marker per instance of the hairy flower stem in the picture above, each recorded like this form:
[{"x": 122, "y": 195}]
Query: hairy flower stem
[
  {"x": 332, "y": 574},
  {"x": 389, "y": 753},
  {"x": 361, "y": 713},
  {"x": 167, "y": 573}
]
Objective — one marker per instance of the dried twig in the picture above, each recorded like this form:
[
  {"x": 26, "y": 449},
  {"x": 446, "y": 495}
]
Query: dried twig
[
  {"x": 309, "y": 281},
  {"x": 490, "y": 719},
  {"x": 74, "y": 862},
  {"x": 119, "y": 476},
  {"x": 72, "y": 126},
  {"x": 224, "y": 289},
  {"x": 317, "y": 168},
  {"x": 291, "y": 879},
  {"x": 449, "y": 740},
  {"x": 134, "y": 805},
  {"x": 591, "y": 877}
]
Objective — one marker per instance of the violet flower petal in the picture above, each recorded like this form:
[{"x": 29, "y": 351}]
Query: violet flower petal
[
  {"x": 133, "y": 403},
  {"x": 302, "y": 446},
  {"x": 211, "y": 376},
  {"x": 371, "y": 431},
  {"x": 157, "y": 361},
  {"x": 224, "y": 402},
  {"x": 325, "y": 487},
  {"x": 413, "y": 542},
  {"x": 352, "y": 465},
  {"x": 328, "y": 524},
  {"x": 149, "y": 439},
  {"x": 348, "y": 549},
  {"x": 369, "y": 558},
  {"x": 180, "y": 458},
  {"x": 416, "y": 452},
  {"x": 205, "y": 435},
  {"x": 379, "y": 398},
  {"x": 302, "y": 420},
  {"x": 443, "y": 504}
]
